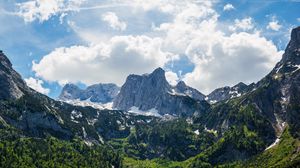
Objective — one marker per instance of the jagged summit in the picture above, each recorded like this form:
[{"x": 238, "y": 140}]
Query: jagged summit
[
  {"x": 240, "y": 84},
  {"x": 295, "y": 37},
  {"x": 181, "y": 84},
  {"x": 142, "y": 90},
  {"x": 158, "y": 71},
  {"x": 97, "y": 93},
  {"x": 152, "y": 91},
  {"x": 158, "y": 76},
  {"x": 69, "y": 92},
  {"x": 290, "y": 61},
  {"x": 4, "y": 60},
  {"x": 70, "y": 85},
  {"x": 227, "y": 92},
  {"x": 145, "y": 92},
  {"x": 292, "y": 50},
  {"x": 182, "y": 88},
  {"x": 11, "y": 84}
]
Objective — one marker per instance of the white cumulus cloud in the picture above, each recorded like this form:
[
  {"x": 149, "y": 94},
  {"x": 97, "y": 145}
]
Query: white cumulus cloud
[
  {"x": 113, "y": 20},
  {"x": 274, "y": 24},
  {"x": 42, "y": 10},
  {"x": 188, "y": 28},
  {"x": 228, "y": 7},
  {"x": 228, "y": 60},
  {"x": 171, "y": 77},
  {"x": 37, "y": 85},
  {"x": 244, "y": 24},
  {"x": 103, "y": 62}
]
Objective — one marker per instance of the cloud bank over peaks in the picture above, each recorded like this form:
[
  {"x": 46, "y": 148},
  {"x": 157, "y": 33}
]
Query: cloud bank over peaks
[
  {"x": 103, "y": 62},
  {"x": 231, "y": 59},
  {"x": 190, "y": 28}
]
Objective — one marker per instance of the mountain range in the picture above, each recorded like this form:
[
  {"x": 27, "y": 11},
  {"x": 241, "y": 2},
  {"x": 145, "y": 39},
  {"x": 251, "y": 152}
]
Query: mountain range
[
  {"x": 254, "y": 125},
  {"x": 149, "y": 92}
]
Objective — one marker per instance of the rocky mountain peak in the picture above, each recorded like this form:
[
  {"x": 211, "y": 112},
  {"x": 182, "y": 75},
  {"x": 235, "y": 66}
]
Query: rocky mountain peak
[
  {"x": 157, "y": 80},
  {"x": 158, "y": 71},
  {"x": 159, "y": 74},
  {"x": 70, "y": 86},
  {"x": 70, "y": 92},
  {"x": 152, "y": 91},
  {"x": 283, "y": 87},
  {"x": 11, "y": 83},
  {"x": 97, "y": 93},
  {"x": 4, "y": 60},
  {"x": 292, "y": 51},
  {"x": 227, "y": 92},
  {"x": 295, "y": 35},
  {"x": 240, "y": 86},
  {"x": 182, "y": 88},
  {"x": 181, "y": 84},
  {"x": 290, "y": 61}
]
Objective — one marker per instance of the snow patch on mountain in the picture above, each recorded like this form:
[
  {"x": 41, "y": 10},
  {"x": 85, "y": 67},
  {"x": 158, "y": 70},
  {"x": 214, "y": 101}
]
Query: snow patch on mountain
[
  {"x": 86, "y": 103},
  {"x": 273, "y": 144},
  {"x": 151, "y": 112},
  {"x": 227, "y": 92}
]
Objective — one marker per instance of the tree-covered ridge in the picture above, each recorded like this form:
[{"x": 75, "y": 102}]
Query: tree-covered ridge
[
  {"x": 285, "y": 154},
  {"x": 20, "y": 151},
  {"x": 175, "y": 140}
]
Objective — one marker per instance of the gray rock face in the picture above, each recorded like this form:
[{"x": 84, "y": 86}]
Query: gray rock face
[
  {"x": 227, "y": 92},
  {"x": 293, "y": 47},
  {"x": 39, "y": 122},
  {"x": 138, "y": 90},
  {"x": 182, "y": 88},
  {"x": 98, "y": 93},
  {"x": 273, "y": 105},
  {"x": 11, "y": 84},
  {"x": 154, "y": 92},
  {"x": 284, "y": 87},
  {"x": 70, "y": 92},
  {"x": 22, "y": 101},
  {"x": 36, "y": 115},
  {"x": 276, "y": 97}
]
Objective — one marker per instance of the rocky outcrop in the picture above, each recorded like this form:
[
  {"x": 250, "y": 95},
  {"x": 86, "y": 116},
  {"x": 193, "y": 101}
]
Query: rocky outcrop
[
  {"x": 152, "y": 91},
  {"x": 265, "y": 111},
  {"x": 284, "y": 80},
  {"x": 70, "y": 92},
  {"x": 40, "y": 122},
  {"x": 98, "y": 93},
  {"x": 182, "y": 88},
  {"x": 11, "y": 84},
  {"x": 142, "y": 91},
  {"x": 225, "y": 93},
  {"x": 24, "y": 108},
  {"x": 36, "y": 115},
  {"x": 276, "y": 97}
]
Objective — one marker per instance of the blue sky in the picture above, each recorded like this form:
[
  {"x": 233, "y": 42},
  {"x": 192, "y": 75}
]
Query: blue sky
[{"x": 206, "y": 44}]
